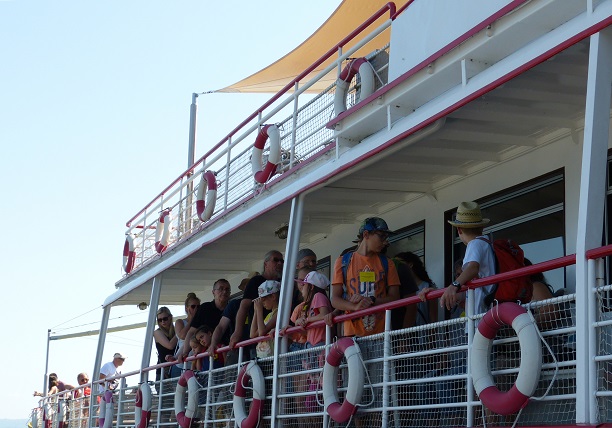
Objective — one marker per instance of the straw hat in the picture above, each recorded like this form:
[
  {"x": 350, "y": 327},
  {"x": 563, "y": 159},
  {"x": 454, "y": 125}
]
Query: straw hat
[{"x": 468, "y": 216}]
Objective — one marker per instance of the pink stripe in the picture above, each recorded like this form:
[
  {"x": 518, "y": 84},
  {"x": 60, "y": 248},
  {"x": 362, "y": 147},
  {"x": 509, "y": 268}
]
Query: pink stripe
[
  {"x": 503, "y": 403},
  {"x": 341, "y": 413},
  {"x": 183, "y": 420},
  {"x": 185, "y": 378},
  {"x": 200, "y": 207},
  {"x": 242, "y": 377},
  {"x": 337, "y": 351},
  {"x": 211, "y": 180},
  {"x": 260, "y": 141},
  {"x": 502, "y": 314}
]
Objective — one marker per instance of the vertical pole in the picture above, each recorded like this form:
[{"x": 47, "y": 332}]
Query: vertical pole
[
  {"x": 98, "y": 363},
  {"x": 387, "y": 352},
  {"x": 286, "y": 293},
  {"x": 46, "y": 379},
  {"x": 294, "y": 125},
  {"x": 470, "y": 311},
  {"x": 193, "y": 110},
  {"x": 591, "y": 208},
  {"x": 151, "y": 323}
]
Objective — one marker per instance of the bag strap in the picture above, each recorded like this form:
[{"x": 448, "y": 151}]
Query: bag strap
[{"x": 490, "y": 296}]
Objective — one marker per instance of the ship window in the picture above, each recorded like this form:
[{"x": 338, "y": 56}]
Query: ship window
[
  {"x": 531, "y": 214},
  {"x": 410, "y": 238},
  {"x": 324, "y": 266}
]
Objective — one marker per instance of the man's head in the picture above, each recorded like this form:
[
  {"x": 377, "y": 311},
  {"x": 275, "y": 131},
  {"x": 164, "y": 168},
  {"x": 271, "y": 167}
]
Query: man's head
[
  {"x": 222, "y": 291},
  {"x": 306, "y": 258},
  {"x": 373, "y": 234},
  {"x": 118, "y": 359},
  {"x": 273, "y": 265},
  {"x": 82, "y": 378}
]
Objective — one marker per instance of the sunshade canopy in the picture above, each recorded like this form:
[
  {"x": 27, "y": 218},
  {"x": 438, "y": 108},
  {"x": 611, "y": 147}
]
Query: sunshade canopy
[{"x": 348, "y": 16}]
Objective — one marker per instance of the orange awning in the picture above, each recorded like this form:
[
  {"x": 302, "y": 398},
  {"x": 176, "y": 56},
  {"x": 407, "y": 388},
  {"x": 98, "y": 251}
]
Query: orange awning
[{"x": 346, "y": 18}]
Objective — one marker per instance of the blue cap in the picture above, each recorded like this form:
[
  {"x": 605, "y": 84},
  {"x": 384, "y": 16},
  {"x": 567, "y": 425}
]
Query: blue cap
[{"x": 372, "y": 224}]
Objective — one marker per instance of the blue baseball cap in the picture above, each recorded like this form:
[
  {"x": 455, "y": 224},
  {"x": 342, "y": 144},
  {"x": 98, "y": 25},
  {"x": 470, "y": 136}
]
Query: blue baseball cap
[{"x": 372, "y": 224}]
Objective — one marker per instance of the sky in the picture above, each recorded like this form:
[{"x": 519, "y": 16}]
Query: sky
[{"x": 94, "y": 117}]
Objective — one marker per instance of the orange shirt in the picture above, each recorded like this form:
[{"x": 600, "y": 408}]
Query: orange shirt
[{"x": 365, "y": 276}]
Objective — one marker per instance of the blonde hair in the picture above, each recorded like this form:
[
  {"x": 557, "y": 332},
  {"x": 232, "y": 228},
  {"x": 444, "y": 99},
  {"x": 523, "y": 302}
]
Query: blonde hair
[
  {"x": 170, "y": 332},
  {"x": 190, "y": 297}
]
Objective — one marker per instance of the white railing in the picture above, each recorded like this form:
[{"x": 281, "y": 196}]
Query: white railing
[
  {"x": 414, "y": 377},
  {"x": 304, "y": 138}
]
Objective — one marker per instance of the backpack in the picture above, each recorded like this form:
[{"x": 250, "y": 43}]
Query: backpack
[
  {"x": 509, "y": 256},
  {"x": 346, "y": 260}
]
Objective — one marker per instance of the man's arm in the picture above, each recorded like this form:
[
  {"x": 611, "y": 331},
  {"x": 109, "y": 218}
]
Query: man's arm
[
  {"x": 220, "y": 330},
  {"x": 393, "y": 294},
  {"x": 449, "y": 298},
  {"x": 245, "y": 304},
  {"x": 355, "y": 304}
]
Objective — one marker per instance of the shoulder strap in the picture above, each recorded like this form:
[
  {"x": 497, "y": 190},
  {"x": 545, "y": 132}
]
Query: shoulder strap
[
  {"x": 385, "y": 262},
  {"x": 490, "y": 296},
  {"x": 346, "y": 260}
]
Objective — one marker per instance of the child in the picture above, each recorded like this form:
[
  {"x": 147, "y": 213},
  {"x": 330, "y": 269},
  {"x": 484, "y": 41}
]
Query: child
[
  {"x": 203, "y": 336},
  {"x": 315, "y": 307},
  {"x": 479, "y": 259},
  {"x": 196, "y": 348},
  {"x": 268, "y": 299}
]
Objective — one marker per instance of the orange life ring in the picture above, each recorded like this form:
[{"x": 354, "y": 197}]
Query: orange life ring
[
  {"x": 260, "y": 173},
  {"x": 208, "y": 186},
  {"x": 359, "y": 66}
]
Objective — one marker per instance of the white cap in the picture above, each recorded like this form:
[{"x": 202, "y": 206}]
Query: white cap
[{"x": 317, "y": 279}]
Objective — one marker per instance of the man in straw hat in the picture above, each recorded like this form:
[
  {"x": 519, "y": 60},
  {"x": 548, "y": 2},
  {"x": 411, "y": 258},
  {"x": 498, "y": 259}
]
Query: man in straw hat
[{"x": 479, "y": 259}]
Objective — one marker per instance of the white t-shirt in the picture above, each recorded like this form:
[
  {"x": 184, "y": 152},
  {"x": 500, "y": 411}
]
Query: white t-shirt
[
  {"x": 480, "y": 251},
  {"x": 108, "y": 370}
]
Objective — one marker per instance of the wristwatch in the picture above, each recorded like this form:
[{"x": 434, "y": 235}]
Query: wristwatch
[
  {"x": 373, "y": 299},
  {"x": 456, "y": 284}
]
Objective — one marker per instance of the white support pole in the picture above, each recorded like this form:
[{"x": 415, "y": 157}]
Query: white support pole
[
  {"x": 98, "y": 363},
  {"x": 591, "y": 207},
  {"x": 46, "y": 379},
  {"x": 286, "y": 293},
  {"x": 151, "y": 323}
]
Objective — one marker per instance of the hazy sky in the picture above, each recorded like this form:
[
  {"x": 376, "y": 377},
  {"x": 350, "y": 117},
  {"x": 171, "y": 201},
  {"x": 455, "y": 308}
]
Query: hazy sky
[{"x": 94, "y": 114}]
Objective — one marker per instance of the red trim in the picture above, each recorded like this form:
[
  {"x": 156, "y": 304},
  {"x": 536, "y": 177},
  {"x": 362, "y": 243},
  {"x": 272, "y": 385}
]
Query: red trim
[{"x": 597, "y": 253}]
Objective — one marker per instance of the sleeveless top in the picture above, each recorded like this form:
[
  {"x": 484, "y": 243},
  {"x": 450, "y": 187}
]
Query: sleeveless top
[{"x": 162, "y": 352}]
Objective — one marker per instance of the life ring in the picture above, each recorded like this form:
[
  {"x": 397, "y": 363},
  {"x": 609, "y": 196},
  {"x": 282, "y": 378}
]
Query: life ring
[
  {"x": 345, "y": 347},
  {"x": 106, "y": 410},
  {"x": 61, "y": 413},
  {"x": 208, "y": 185},
  {"x": 505, "y": 403},
  {"x": 129, "y": 253},
  {"x": 142, "y": 407},
  {"x": 186, "y": 381},
  {"x": 359, "y": 66},
  {"x": 252, "y": 371},
  {"x": 162, "y": 231},
  {"x": 260, "y": 173}
]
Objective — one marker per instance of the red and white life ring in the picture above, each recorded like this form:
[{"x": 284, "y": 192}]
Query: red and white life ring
[
  {"x": 162, "y": 231},
  {"x": 61, "y": 413},
  {"x": 359, "y": 66},
  {"x": 260, "y": 173},
  {"x": 129, "y": 253},
  {"x": 106, "y": 410},
  {"x": 208, "y": 186},
  {"x": 506, "y": 403},
  {"x": 142, "y": 407},
  {"x": 184, "y": 416},
  {"x": 345, "y": 347},
  {"x": 252, "y": 371}
]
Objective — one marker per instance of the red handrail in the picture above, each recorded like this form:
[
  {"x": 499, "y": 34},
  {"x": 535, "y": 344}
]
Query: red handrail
[{"x": 387, "y": 7}]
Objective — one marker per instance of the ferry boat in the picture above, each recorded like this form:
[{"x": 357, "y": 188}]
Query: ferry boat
[{"x": 414, "y": 107}]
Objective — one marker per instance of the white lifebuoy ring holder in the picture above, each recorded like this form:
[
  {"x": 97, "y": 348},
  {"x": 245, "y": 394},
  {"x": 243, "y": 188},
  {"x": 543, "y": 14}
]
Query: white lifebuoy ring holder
[
  {"x": 348, "y": 348},
  {"x": 107, "y": 410},
  {"x": 142, "y": 406},
  {"x": 262, "y": 174},
  {"x": 187, "y": 382},
  {"x": 252, "y": 371},
  {"x": 208, "y": 186},
  {"x": 363, "y": 68},
  {"x": 506, "y": 403},
  {"x": 129, "y": 253},
  {"x": 162, "y": 231}
]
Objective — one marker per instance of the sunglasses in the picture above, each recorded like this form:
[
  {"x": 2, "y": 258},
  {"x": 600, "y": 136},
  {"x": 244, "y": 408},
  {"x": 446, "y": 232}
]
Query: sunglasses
[
  {"x": 83, "y": 380},
  {"x": 277, "y": 260},
  {"x": 164, "y": 319},
  {"x": 193, "y": 306}
]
